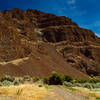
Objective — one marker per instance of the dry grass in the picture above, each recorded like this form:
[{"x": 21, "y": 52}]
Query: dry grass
[
  {"x": 24, "y": 92},
  {"x": 89, "y": 93}
]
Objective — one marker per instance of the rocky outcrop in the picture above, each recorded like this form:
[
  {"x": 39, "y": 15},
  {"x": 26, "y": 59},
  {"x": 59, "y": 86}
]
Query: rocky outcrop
[
  {"x": 20, "y": 31},
  {"x": 69, "y": 33},
  {"x": 83, "y": 56},
  {"x": 54, "y": 28}
]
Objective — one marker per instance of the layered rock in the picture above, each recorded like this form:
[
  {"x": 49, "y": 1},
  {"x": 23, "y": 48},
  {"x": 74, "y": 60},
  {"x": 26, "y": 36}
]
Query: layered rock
[
  {"x": 83, "y": 56},
  {"x": 69, "y": 33},
  {"x": 20, "y": 31}
]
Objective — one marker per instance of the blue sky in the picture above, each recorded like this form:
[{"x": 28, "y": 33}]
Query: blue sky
[{"x": 85, "y": 12}]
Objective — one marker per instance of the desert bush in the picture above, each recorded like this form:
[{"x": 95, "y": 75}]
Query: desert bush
[
  {"x": 26, "y": 78},
  {"x": 78, "y": 84},
  {"x": 68, "y": 84},
  {"x": 1, "y": 84},
  {"x": 6, "y": 83},
  {"x": 96, "y": 85},
  {"x": 92, "y": 76},
  {"x": 87, "y": 85},
  {"x": 46, "y": 80},
  {"x": 56, "y": 79},
  {"x": 35, "y": 79},
  {"x": 82, "y": 80},
  {"x": 6, "y": 78},
  {"x": 17, "y": 81},
  {"x": 68, "y": 78},
  {"x": 40, "y": 85},
  {"x": 94, "y": 80}
]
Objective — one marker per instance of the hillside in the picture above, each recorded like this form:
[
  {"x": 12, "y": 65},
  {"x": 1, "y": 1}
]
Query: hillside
[{"x": 50, "y": 43}]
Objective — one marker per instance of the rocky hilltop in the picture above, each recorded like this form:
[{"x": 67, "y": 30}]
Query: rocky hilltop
[{"x": 54, "y": 43}]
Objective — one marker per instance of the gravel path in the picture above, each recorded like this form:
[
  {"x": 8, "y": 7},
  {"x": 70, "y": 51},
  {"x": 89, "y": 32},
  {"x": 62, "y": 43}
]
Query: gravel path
[{"x": 63, "y": 94}]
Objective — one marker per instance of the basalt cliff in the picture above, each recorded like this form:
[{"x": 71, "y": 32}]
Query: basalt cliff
[{"x": 37, "y": 43}]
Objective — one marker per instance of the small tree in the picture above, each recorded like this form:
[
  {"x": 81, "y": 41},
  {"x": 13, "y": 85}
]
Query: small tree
[
  {"x": 68, "y": 78},
  {"x": 56, "y": 79}
]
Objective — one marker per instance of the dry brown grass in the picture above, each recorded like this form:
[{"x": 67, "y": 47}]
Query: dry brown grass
[
  {"x": 24, "y": 92},
  {"x": 88, "y": 93}
]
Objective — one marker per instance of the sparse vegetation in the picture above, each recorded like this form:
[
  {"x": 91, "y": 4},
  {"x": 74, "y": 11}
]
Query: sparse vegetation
[
  {"x": 98, "y": 98},
  {"x": 68, "y": 78},
  {"x": 54, "y": 79},
  {"x": 94, "y": 80},
  {"x": 27, "y": 78},
  {"x": 82, "y": 80},
  {"x": 35, "y": 79},
  {"x": 70, "y": 88},
  {"x": 8, "y": 80},
  {"x": 40, "y": 85},
  {"x": 68, "y": 84},
  {"x": 19, "y": 91},
  {"x": 67, "y": 81},
  {"x": 17, "y": 81},
  {"x": 93, "y": 95},
  {"x": 46, "y": 80}
]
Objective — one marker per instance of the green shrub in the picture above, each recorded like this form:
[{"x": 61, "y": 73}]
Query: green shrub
[
  {"x": 94, "y": 80},
  {"x": 27, "y": 78},
  {"x": 81, "y": 80},
  {"x": 56, "y": 79},
  {"x": 97, "y": 98},
  {"x": 6, "y": 78},
  {"x": 35, "y": 79},
  {"x": 68, "y": 78},
  {"x": 17, "y": 81},
  {"x": 91, "y": 75},
  {"x": 40, "y": 85},
  {"x": 6, "y": 83},
  {"x": 1, "y": 84},
  {"x": 96, "y": 85},
  {"x": 78, "y": 84},
  {"x": 46, "y": 80},
  {"x": 87, "y": 85}
]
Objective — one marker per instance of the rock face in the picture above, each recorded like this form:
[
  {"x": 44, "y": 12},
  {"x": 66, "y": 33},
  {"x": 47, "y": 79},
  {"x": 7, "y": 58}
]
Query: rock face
[
  {"x": 83, "y": 56},
  {"x": 20, "y": 32},
  {"x": 69, "y": 33}
]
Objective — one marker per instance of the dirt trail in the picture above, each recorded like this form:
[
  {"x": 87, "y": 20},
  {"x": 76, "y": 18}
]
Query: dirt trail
[{"x": 62, "y": 94}]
